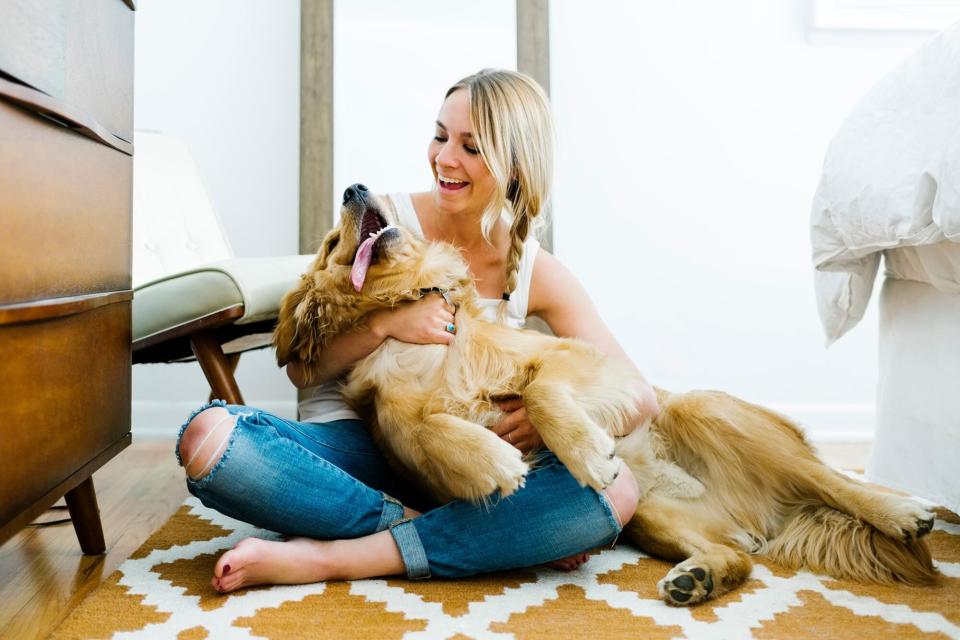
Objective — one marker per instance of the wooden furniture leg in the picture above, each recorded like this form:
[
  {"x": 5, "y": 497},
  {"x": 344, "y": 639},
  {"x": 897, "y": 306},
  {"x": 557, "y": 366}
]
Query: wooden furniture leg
[
  {"x": 233, "y": 359},
  {"x": 216, "y": 366},
  {"x": 82, "y": 503}
]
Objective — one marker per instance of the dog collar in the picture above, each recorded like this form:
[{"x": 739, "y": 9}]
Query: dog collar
[
  {"x": 443, "y": 292},
  {"x": 422, "y": 293}
]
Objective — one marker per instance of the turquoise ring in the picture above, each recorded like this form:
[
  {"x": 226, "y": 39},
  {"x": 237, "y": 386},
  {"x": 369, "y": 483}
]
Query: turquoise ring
[{"x": 451, "y": 328}]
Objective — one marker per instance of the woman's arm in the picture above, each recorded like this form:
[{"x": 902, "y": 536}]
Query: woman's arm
[
  {"x": 341, "y": 352},
  {"x": 558, "y": 297},
  {"x": 420, "y": 322}
]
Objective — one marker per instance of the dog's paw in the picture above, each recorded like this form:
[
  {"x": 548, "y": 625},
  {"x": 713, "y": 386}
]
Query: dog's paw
[
  {"x": 593, "y": 464},
  {"x": 510, "y": 473},
  {"x": 904, "y": 519},
  {"x": 915, "y": 522},
  {"x": 490, "y": 468},
  {"x": 499, "y": 469},
  {"x": 598, "y": 472},
  {"x": 750, "y": 542},
  {"x": 686, "y": 584}
]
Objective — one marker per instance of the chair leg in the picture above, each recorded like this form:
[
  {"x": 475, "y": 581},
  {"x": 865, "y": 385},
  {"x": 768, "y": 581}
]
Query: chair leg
[
  {"x": 216, "y": 366},
  {"x": 82, "y": 503},
  {"x": 232, "y": 359}
]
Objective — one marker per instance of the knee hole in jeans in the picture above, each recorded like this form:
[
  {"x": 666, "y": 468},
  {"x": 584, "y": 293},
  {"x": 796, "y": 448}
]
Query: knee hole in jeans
[
  {"x": 623, "y": 495},
  {"x": 205, "y": 439}
]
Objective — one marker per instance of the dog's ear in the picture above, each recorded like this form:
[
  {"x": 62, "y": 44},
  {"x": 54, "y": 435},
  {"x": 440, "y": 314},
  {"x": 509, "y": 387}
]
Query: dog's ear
[
  {"x": 313, "y": 313},
  {"x": 286, "y": 335},
  {"x": 327, "y": 247},
  {"x": 292, "y": 333},
  {"x": 317, "y": 315}
]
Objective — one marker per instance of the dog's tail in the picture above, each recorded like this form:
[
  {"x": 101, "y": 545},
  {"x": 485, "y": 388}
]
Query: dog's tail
[{"x": 825, "y": 540}]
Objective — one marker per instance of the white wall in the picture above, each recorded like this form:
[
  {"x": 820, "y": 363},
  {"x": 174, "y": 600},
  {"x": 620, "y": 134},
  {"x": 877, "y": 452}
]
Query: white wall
[
  {"x": 224, "y": 76},
  {"x": 691, "y": 140},
  {"x": 691, "y": 137},
  {"x": 393, "y": 62}
]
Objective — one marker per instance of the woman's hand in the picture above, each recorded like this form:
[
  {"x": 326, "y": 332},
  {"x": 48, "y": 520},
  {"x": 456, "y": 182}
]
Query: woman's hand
[
  {"x": 645, "y": 407},
  {"x": 649, "y": 408},
  {"x": 423, "y": 321},
  {"x": 515, "y": 427}
]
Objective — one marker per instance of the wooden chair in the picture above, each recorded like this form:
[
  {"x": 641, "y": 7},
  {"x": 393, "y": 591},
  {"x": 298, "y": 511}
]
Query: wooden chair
[{"x": 192, "y": 299}]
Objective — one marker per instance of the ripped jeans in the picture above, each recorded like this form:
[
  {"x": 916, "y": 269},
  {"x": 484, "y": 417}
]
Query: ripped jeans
[{"x": 328, "y": 480}]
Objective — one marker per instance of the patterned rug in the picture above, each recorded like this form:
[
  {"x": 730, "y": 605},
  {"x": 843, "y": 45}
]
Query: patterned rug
[{"x": 163, "y": 591}]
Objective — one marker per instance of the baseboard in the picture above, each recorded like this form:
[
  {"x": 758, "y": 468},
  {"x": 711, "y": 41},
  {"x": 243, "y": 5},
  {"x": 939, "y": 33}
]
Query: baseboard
[
  {"x": 153, "y": 420},
  {"x": 832, "y": 422},
  {"x": 824, "y": 422}
]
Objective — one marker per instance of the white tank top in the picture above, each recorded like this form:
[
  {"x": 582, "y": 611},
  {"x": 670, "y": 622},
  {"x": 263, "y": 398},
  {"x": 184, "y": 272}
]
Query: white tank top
[{"x": 325, "y": 403}]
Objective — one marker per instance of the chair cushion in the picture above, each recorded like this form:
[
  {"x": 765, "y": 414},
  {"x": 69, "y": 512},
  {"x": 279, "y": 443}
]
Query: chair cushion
[{"x": 259, "y": 284}]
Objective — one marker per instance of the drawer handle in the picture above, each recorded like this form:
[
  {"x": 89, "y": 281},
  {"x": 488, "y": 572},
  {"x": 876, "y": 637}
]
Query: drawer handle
[{"x": 53, "y": 109}]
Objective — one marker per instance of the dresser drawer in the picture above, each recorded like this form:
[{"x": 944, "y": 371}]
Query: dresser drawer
[
  {"x": 78, "y": 51},
  {"x": 65, "y": 205},
  {"x": 65, "y": 392}
]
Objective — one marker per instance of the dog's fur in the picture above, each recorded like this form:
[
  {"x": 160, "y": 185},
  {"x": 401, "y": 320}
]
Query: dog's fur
[{"x": 719, "y": 478}]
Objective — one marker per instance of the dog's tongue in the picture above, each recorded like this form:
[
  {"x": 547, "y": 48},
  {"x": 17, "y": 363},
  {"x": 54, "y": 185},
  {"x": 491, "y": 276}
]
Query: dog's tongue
[{"x": 361, "y": 263}]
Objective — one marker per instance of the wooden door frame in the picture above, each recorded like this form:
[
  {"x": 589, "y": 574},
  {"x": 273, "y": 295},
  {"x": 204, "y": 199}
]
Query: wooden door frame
[
  {"x": 316, "y": 122},
  {"x": 316, "y": 105},
  {"x": 533, "y": 58}
]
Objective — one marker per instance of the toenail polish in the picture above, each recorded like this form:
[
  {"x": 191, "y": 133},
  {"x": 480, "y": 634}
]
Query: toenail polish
[{"x": 226, "y": 569}]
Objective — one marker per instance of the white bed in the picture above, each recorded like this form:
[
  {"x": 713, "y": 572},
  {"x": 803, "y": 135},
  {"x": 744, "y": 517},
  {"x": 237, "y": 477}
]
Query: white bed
[{"x": 890, "y": 193}]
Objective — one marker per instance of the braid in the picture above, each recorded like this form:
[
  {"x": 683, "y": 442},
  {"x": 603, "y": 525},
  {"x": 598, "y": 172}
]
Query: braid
[
  {"x": 510, "y": 116},
  {"x": 518, "y": 235}
]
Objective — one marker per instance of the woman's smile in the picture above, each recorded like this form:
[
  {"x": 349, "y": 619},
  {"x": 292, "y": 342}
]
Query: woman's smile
[
  {"x": 464, "y": 182},
  {"x": 450, "y": 184}
]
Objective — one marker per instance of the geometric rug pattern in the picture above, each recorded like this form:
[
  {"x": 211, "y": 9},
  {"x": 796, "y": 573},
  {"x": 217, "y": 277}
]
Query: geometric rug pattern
[{"x": 163, "y": 591}]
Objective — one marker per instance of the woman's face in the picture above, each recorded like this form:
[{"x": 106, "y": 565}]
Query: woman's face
[{"x": 463, "y": 181}]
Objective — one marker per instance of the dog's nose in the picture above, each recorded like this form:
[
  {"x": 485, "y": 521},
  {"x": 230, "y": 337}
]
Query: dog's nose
[{"x": 355, "y": 192}]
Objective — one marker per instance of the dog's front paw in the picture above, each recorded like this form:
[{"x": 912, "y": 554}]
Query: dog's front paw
[
  {"x": 508, "y": 471},
  {"x": 493, "y": 466},
  {"x": 686, "y": 584},
  {"x": 593, "y": 464}
]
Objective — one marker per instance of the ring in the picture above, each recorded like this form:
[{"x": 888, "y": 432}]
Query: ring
[
  {"x": 510, "y": 437},
  {"x": 451, "y": 328}
]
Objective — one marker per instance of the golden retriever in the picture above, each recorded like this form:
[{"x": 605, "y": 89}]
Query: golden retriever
[{"x": 719, "y": 478}]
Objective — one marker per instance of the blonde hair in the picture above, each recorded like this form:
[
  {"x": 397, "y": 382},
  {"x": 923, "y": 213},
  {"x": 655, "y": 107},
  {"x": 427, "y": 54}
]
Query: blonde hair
[{"x": 513, "y": 128}]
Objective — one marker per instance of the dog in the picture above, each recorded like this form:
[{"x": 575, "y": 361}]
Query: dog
[
  {"x": 719, "y": 478},
  {"x": 427, "y": 404}
]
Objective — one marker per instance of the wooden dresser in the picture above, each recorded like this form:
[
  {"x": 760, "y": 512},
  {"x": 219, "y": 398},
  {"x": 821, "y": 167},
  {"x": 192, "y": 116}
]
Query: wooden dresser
[{"x": 66, "y": 166}]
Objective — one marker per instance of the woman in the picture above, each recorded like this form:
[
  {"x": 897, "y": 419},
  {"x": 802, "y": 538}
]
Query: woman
[{"x": 322, "y": 481}]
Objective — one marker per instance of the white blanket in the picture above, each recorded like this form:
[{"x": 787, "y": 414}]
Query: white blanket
[{"x": 891, "y": 179}]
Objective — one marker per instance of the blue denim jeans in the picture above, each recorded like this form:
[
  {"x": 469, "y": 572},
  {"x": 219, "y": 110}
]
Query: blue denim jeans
[{"x": 328, "y": 480}]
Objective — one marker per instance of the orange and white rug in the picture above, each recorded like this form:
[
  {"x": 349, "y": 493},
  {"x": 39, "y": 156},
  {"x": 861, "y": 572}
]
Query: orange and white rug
[{"x": 163, "y": 591}]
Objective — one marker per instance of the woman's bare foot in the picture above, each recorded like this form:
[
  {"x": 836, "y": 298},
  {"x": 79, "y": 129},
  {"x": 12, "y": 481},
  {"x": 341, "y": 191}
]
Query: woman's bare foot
[
  {"x": 571, "y": 563},
  {"x": 255, "y": 561},
  {"x": 304, "y": 560}
]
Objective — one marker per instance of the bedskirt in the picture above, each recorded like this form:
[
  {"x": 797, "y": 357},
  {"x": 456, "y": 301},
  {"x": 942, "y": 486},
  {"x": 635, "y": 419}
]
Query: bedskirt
[{"x": 917, "y": 444}]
